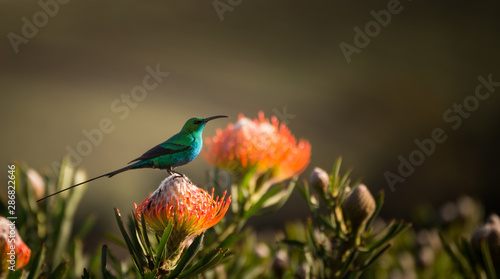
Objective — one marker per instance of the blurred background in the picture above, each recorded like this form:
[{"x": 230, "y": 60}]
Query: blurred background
[{"x": 70, "y": 70}]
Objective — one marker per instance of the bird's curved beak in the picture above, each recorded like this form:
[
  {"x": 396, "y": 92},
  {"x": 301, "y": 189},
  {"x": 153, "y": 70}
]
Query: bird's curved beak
[{"x": 214, "y": 117}]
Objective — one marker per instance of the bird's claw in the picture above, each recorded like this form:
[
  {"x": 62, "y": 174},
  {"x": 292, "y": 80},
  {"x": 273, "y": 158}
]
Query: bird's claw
[{"x": 176, "y": 173}]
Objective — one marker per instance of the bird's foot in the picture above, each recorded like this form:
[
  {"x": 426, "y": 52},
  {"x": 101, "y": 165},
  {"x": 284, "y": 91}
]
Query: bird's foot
[{"x": 176, "y": 173}]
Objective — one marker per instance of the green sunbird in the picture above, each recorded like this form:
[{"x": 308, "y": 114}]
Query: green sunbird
[{"x": 178, "y": 150}]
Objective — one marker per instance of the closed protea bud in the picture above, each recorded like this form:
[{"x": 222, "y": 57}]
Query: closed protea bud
[
  {"x": 358, "y": 207},
  {"x": 319, "y": 180},
  {"x": 489, "y": 232}
]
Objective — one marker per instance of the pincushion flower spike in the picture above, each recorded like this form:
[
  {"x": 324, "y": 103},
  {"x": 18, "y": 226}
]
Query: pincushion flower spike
[
  {"x": 190, "y": 209},
  {"x": 258, "y": 145},
  {"x": 14, "y": 252}
]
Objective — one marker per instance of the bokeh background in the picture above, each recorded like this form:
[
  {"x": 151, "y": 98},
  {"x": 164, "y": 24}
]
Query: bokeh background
[{"x": 272, "y": 56}]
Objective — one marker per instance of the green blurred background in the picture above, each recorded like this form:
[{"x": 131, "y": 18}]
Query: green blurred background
[{"x": 264, "y": 56}]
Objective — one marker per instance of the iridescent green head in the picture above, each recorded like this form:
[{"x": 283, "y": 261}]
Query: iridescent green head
[{"x": 197, "y": 124}]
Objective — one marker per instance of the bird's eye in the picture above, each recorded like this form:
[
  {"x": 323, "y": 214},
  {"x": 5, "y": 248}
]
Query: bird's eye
[{"x": 197, "y": 121}]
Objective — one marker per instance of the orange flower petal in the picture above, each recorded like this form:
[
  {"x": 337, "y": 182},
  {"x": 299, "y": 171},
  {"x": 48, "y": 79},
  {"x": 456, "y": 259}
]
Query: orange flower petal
[{"x": 265, "y": 144}]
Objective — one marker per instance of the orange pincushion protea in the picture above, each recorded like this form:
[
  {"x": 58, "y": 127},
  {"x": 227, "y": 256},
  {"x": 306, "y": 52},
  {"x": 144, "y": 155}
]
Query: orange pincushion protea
[
  {"x": 14, "y": 252},
  {"x": 190, "y": 209},
  {"x": 261, "y": 144}
]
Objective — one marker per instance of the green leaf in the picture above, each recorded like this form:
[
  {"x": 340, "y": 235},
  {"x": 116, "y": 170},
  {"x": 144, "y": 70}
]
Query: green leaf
[
  {"x": 295, "y": 243},
  {"x": 230, "y": 240},
  {"x": 78, "y": 262},
  {"x": 207, "y": 262},
  {"x": 348, "y": 262},
  {"x": 394, "y": 230},
  {"x": 68, "y": 214},
  {"x": 379, "y": 202},
  {"x": 335, "y": 177},
  {"x": 488, "y": 263},
  {"x": 127, "y": 241},
  {"x": 86, "y": 227},
  {"x": 466, "y": 249},
  {"x": 245, "y": 181},
  {"x": 36, "y": 263},
  {"x": 145, "y": 235},
  {"x": 310, "y": 230},
  {"x": 134, "y": 238},
  {"x": 113, "y": 238},
  {"x": 95, "y": 262},
  {"x": 326, "y": 222},
  {"x": 188, "y": 255},
  {"x": 104, "y": 270},
  {"x": 345, "y": 179},
  {"x": 115, "y": 263},
  {"x": 303, "y": 192},
  {"x": 258, "y": 204},
  {"x": 60, "y": 271},
  {"x": 86, "y": 274},
  {"x": 372, "y": 259},
  {"x": 163, "y": 244},
  {"x": 277, "y": 201},
  {"x": 457, "y": 261},
  {"x": 239, "y": 198}
]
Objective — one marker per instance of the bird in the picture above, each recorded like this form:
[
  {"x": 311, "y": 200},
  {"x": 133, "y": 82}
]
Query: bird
[{"x": 178, "y": 150}]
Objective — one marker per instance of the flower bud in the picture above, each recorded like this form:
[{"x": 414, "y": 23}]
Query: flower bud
[
  {"x": 13, "y": 251},
  {"x": 489, "y": 232},
  {"x": 319, "y": 180},
  {"x": 37, "y": 183},
  {"x": 358, "y": 207},
  {"x": 280, "y": 263},
  {"x": 494, "y": 220}
]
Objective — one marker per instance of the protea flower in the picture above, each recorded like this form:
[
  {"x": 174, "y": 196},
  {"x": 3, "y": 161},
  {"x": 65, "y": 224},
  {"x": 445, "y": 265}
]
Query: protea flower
[
  {"x": 190, "y": 209},
  {"x": 14, "y": 252},
  {"x": 260, "y": 144}
]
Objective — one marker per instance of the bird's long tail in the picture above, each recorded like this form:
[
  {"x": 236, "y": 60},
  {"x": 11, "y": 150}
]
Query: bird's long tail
[{"x": 109, "y": 174}]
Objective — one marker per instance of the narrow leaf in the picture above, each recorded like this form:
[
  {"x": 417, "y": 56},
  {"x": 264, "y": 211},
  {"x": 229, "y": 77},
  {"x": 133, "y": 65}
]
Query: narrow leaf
[
  {"x": 295, "y": 243},
  {"x": 207, "y": 262},
  {"x": 277, "y": 202},
  {"x": 127, "y": 240},
  {"x": 145, "y": 235},
  {"x": 104, "y": 270},
  {"x": 60, "y": 271},
  {"x": 163, "y": 244},
  {"x": 376, "y": 256},
  {"x": 379, "y": 203},
  {"x": 115, "y": 239},
  {"x": 488, "y": 263},
  {"x": 258, "y": 204},
  {"x": 188, "y": 255},
  {"x": 36, "y": 263}
]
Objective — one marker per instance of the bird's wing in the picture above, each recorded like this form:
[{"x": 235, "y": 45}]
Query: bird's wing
[{"x": 162, "y": 149}]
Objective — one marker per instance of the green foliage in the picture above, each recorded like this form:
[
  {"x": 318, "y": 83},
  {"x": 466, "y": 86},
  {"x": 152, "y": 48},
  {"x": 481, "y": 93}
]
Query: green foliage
[
  {"x": 47, "y": 227},
  {"x": 330, "y": 245}
]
